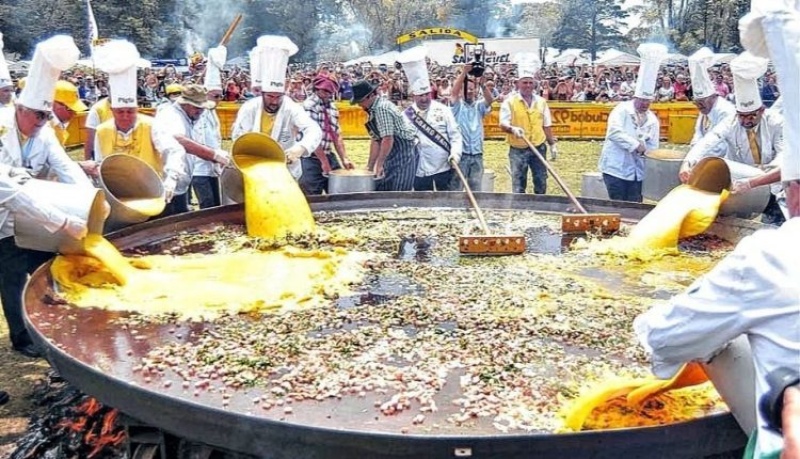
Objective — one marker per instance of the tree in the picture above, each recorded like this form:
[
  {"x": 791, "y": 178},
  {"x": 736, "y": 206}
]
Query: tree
[
  {"x": 539, "y": 20},
  {"x": 591, "y": 25},
  {"x": 690, "y": 24},
  {"x": 387, "y": 19}
]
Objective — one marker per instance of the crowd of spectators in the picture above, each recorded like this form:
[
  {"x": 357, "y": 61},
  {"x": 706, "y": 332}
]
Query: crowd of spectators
[{"x": 555, "y": 82}]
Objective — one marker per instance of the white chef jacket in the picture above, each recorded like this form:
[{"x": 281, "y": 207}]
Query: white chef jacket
[
  {"x": 432, "y": 157},
  {"x": 174, "y": 121},
  {"x": 619, "y": 157},
  {"x": 291, "y": 118},
  {"x": 777, "y": 106},
  {"x": 42, "y": 155},
  {"x": 754, "y": 291},
  {"x": 208, "y": 127},
  {"x": 722, "y": 112},
  {"x": 729, "y": 141}
]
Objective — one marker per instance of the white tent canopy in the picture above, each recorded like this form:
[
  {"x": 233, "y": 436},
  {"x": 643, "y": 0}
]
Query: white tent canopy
[
  {"x": 676, "y": 58},
  {"x": 614, "y": 57},
  {"x": 568, "y": 56}
]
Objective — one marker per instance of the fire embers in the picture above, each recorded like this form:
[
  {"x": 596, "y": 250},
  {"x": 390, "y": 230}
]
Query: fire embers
[{"x": 70, "y": 425}]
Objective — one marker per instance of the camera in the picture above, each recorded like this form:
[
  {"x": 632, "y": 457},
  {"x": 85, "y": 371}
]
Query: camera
[
  {"x": 771, "y": 404},
  {"x": 478, "y": 53}
]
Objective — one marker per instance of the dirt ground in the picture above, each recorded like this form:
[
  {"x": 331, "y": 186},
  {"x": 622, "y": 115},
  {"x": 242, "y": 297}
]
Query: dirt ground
[
  {"x": 18, "y": 374},
  {"x": 17, "y": 377}
]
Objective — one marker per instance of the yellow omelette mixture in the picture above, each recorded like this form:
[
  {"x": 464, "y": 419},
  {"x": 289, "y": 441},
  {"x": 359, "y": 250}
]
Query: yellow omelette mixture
[
  {"x": 195, "y": 286},
  {"x": 201, "y": 285}
]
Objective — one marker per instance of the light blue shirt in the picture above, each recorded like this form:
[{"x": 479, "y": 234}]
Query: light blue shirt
[
  {"x": 619, "y": 157},
  {"x": 470, "y": 122}
]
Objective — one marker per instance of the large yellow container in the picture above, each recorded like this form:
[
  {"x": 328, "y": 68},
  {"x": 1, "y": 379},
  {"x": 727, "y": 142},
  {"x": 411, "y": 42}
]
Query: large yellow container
[{"x": 681, "y": 128}]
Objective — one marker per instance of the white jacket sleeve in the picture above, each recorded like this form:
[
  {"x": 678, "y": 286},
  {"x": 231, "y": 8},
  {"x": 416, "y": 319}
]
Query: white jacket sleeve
[
  {"x": 63, "y": 166},
  {"x": 173, "y": 155},
  {"x": 312, "y": 133},
  {"x": 617, "y": 133},
  {"x": 712, "y": 144},
  {"x": 745, "y": 289},
  {"x": 505, "y": 114}
]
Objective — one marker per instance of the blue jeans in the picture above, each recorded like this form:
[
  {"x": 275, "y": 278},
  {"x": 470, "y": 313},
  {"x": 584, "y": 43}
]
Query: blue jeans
[
  {"x": 623, "y": 190},
  {"x": 472, "y": 168},
  {"x": 442, "y": 181},
  {"x": 521, "y": 159},
  {"x": 312, "y": 181}
]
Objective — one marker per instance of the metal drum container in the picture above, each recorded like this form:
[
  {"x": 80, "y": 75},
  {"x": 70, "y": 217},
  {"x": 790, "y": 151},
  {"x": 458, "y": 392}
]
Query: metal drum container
[
  {"x": 661, "y": 168},
  {"x": 231, "y": 185},
  {"x": 125, "y": 177},
  {"x": 715, "y": 174},
  {"x": 91, "y": 350},
  {"x": 351, "y": 181},
  {"x": 84, "y": 203},
  {"x": 487, "y": 182}
]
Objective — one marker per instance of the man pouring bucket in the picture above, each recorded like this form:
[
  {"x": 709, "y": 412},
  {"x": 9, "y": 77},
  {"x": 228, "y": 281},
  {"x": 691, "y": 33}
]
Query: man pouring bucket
[{"x": 754, "y": 291}]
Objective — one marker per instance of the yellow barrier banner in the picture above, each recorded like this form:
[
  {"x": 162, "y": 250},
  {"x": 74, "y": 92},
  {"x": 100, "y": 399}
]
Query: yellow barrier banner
[{"x": 571, "y": 120}]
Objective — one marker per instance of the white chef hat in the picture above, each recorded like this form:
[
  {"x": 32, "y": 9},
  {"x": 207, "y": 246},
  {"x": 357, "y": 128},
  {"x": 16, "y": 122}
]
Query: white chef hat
[
  {"x": 651, "y": 55},
  {"x": 747, "y": 69},
  {"x": 119, "y": 58},
  {"x": 255, "y": 70},
  {"x": 273, "y": 59},
  {"x": 776, "y": 33},
  {"x": 216, "y": 61},
  {"x": 416, "y": 69},
  {"x": 50, "y": 58},
  {"x": 5, "y": 75},
  {"x": 527, "y": 64},
  {"x": 699, "y": 62}
]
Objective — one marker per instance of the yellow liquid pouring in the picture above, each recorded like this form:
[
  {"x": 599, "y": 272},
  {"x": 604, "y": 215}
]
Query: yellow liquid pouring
[
  {"x": 684, "y": 212},
  {"x": 148, "y": 206},
  {"x": 274, "y": 205}
]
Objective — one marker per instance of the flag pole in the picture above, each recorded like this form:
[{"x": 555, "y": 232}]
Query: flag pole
[{"x": 93, "y": 37}]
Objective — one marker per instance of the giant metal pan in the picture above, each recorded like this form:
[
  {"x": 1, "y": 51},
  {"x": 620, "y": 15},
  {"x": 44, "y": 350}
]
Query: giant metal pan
[{"x": 98, "y": 357}]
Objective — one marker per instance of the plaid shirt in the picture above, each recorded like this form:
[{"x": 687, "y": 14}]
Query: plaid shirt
[
  {"x": 385, "y": 120},
  {"x": 316, "y": 109}
]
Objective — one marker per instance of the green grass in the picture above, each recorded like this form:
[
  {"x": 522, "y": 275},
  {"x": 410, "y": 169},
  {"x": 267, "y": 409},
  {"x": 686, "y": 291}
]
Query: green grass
[{"x": 575, "y": 158}]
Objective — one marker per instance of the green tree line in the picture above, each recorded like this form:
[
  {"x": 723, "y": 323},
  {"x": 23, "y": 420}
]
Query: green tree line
[{"x": 342, "y": 29}]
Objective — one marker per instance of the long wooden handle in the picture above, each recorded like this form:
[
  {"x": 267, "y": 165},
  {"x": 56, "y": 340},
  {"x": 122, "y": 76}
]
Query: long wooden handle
[
  {"x": 228, "y": 33},
  {"x": 555, "y": 175},
  {"x": 471, "y": 197}
]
